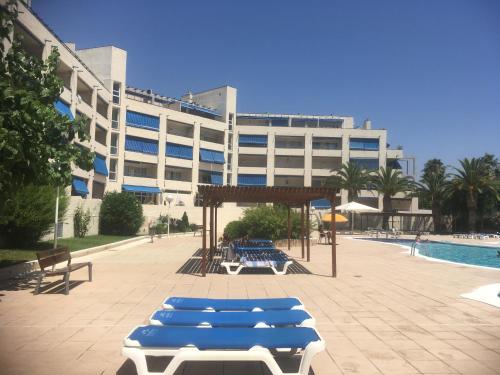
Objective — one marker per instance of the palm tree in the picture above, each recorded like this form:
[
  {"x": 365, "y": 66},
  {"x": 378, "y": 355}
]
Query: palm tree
[
  {"x": 390, "y": 182},
  {"x": 434, "y": 188},
  {"x": 350, "y": 177},
  {"x": 472, "y": 179}
]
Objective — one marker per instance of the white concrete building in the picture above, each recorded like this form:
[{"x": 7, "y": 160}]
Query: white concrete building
[{"x": 154, "y": 145}]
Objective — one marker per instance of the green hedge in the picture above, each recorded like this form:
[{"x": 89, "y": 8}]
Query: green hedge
[
  {"x": 121, "y": 214},
  {"x": 28, "y": 214},
  {"x": 269, "y": 222}
]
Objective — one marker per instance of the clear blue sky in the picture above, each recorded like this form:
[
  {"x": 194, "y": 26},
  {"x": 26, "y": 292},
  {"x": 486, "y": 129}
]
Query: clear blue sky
[{"x": 428, "y": 71}]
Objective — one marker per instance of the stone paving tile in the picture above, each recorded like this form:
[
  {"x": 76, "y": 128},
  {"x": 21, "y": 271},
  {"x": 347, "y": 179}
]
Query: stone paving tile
[{"x": 385, "y": 313}]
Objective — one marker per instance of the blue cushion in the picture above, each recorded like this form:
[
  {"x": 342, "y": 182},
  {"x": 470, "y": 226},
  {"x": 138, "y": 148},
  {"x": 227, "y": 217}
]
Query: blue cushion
[
  {"x": 222, "y": 338},
  {"x": 186, "y": 303},
  {"x": 230, "y": 318}
]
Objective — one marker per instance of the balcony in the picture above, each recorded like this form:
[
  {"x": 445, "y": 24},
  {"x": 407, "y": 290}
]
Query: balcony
[
  {"x": 252, "y": 170},
  {"x": 180, "y": 129},
  {"x": 288, "y": 181},
  {"x": 248, "y": 160},
  {"x": 289, "y": 162},
  {"x": 289, "y": 171},
  {"x": 252, "y": 150}
]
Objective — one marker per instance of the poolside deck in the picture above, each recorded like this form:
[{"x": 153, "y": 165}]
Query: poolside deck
[{"x": 386, "y": 313}]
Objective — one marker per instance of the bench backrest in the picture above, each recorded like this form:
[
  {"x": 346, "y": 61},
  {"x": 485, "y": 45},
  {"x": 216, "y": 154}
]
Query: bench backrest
[{"x": 48, "y": 258}]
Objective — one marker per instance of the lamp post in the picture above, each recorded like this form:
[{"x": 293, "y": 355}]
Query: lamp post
[
  {"x": 169, "y": 199},
  {"x": 56, "y": 218}
]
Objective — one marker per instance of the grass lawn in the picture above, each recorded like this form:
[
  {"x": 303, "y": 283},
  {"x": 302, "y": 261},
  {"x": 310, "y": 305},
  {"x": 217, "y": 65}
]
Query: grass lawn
[{"x": 12, "y": 256}]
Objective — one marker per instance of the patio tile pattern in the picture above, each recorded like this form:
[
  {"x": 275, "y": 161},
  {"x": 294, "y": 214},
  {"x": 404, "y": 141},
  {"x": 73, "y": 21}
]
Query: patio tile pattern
[{"x": 385, "y": 313}]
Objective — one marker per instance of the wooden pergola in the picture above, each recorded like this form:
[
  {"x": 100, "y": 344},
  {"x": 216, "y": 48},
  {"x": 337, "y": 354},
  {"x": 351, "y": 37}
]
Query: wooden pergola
[{"x": 300, "y": 197}]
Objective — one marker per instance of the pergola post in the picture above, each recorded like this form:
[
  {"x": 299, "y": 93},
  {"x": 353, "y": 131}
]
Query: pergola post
[
  {"x": 215, "y": 227},
  {"x": 211, "y": 232},
  {"x": 204, "y": 242},
  {"x": 334, "y": 238},
  {"x": 308, "y": 233},
  {"x": 302, "y": 229},
  {"x": 289, "y": 232}
]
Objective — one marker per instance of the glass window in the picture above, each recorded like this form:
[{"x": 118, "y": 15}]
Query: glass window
[
  {"x": 115, "y": 118},
  {"x": 116, "y": 92}
]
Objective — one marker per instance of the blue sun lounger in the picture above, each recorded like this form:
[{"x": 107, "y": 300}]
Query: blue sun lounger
[
  {"x": 221, "y": 344},
  {"x": 255, "y": 257},
  {"x": 214, "y": 304},
  {"x": 260, "y": 319}
]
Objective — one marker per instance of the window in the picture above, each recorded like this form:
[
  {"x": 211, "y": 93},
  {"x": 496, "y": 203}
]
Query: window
[
  {"x": 366, "y": 144},
  {"x": 112, "y": 169},
  {"x": 145, "y": 198},
  {"x": 230, "y": 121},
  {"x": 115, "y": 118},
  {"x": 114, "y": 144},
  {"x": 116, "y": 92}
]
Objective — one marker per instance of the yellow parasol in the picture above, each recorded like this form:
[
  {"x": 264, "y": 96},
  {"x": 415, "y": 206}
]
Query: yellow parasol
[{"x": 338, "y": 218}]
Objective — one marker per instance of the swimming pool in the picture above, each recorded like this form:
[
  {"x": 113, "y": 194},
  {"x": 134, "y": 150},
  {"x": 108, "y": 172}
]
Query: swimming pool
[{"x": 476, "y": 255}]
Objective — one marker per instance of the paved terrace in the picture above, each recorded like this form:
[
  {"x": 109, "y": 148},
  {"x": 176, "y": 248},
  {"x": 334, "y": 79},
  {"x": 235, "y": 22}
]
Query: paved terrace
[{"x": 386, "y": 313}]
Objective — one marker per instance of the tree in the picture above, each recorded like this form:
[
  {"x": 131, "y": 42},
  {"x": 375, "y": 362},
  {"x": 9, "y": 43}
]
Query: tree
[
  {"x": 121, "y": 213},
  {"x": 36, "y": 141},
  {"x": 471, "y": 180},
  {"x": 434, "y": 188},
  {"x": 389, "y": 182},
  {"x": 433, "y": 167},
  {"x": 29, "y": 215},
  {"x": 352, "y": 178}
]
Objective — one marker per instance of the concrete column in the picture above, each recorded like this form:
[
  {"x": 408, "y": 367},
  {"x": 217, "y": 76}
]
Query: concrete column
[
  {"x": 196, "y": 157},
  {"x": 162, "y": 139},
  {"x": 73, "y": 87},
  {"x": 121, "y": 146},
  {"x": 270, "y": 158},
  {"x": 345, "y": 148},
  {"x": 308, "y": 159},
  {"x": 47, "y": 49},
  {"x": 234, "y": 181}
]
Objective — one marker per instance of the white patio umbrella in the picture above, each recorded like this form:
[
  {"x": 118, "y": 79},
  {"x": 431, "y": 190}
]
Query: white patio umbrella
[{"x": 353, "y": 207}]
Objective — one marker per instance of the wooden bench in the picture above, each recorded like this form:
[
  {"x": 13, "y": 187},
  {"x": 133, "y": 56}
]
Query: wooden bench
[{"x": 50, "y": 258}]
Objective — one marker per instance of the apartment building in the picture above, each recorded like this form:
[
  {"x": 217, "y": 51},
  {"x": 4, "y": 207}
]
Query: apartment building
[{"x": 157, "y": 146}]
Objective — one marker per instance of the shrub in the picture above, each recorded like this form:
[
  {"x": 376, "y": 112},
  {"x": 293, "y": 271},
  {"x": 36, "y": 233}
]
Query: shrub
[
  {"x": 81, "y": 222},
  {"x": 121, "y": 214},
  {"x": 29, "y": 214},
  {"x": 183, "y": 225},
  {"x": 270, "y": 222},
  {"x": 235, "y": 229}
]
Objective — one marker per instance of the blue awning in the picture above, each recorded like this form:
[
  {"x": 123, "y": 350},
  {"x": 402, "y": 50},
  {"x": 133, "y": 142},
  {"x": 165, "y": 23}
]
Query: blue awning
[
  {"x": 141, "y": 120},
  {"x": 141, "y": 189},
  {"x": 80, "y": 186},
  {"x": 216, "y": 178},
  {"x": 195, "y": 107},
  {"x": 100, "y": 165},
  {"x": 252, "y": 140},
  {"x": 175, "y": 150},
  {"x": 136, "y": 144},
  {"x": 251, "y": 180},
  {"x": 211, "y": 156},
  {"x": 321, "y": 204},
  {"x": 64, "y": 109}
]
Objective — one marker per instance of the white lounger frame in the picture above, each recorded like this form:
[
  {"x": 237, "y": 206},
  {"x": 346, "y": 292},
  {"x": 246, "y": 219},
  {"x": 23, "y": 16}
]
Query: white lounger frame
[
  {"x": 239, "y": 266},
  {"x": 309, "y": 322},
  {"x": 300, "y": 306},
  {"x": 138, "y": 355}
]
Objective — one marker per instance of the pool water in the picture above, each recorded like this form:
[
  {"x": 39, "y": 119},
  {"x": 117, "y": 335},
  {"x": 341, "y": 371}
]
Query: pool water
[{"x": 468, "y": 254}]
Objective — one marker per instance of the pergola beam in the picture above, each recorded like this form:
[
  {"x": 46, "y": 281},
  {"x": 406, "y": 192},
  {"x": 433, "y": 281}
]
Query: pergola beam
[{"x": 214, "y": 196}]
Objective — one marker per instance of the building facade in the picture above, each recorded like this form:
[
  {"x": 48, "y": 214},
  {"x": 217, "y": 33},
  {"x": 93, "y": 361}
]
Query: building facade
[{"x": 156, "y": 146}]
